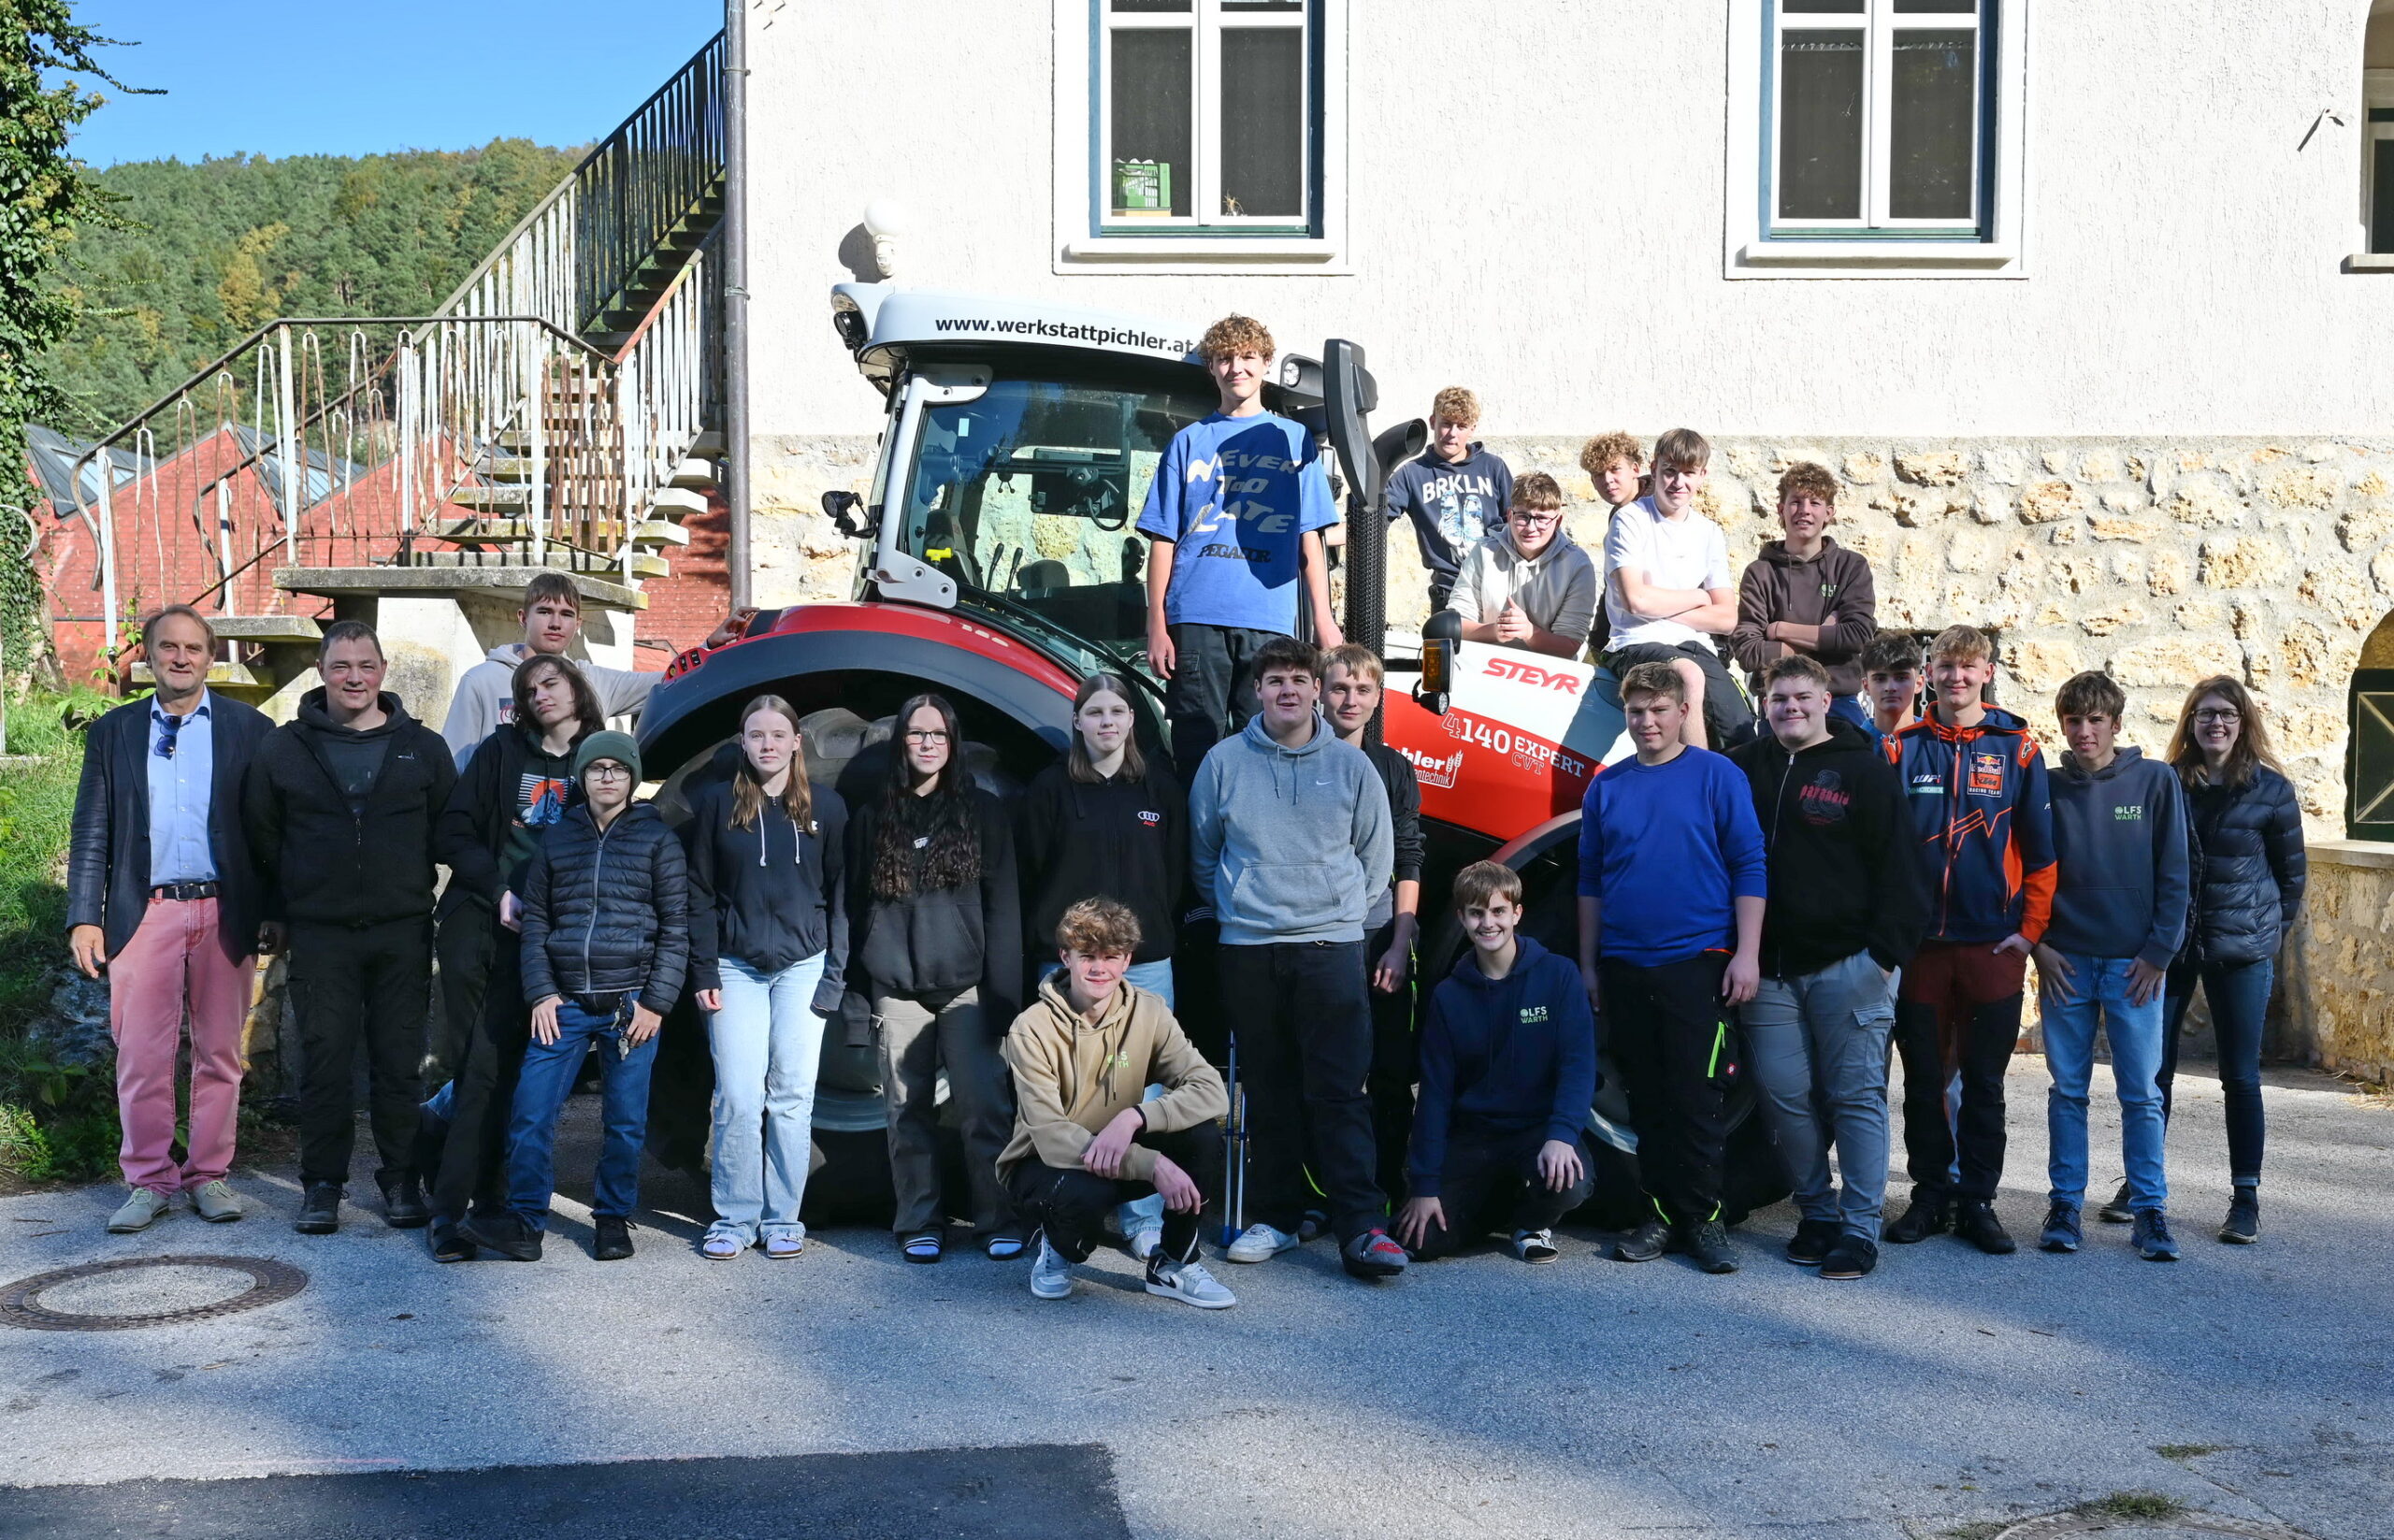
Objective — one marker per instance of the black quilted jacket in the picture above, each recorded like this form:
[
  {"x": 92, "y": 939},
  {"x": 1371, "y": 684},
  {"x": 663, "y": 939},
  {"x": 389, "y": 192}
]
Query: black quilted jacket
[
  {"x": 2250, "y": 869},
  {"x": 607, "y": 912}
]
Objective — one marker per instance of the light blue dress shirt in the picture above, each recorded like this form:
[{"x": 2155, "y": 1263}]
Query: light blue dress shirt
[{"x": 179, "y": 789}]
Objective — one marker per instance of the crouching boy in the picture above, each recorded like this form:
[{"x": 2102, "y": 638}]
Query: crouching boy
[
  {"x": 606, "y": 947},
  {"x": 1509, "y": 1069},
  {"x": 1083, "y": 1055}
]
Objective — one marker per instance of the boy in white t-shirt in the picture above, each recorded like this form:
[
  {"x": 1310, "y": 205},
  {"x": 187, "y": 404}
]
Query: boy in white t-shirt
[{"x": 1668, "y": 590}]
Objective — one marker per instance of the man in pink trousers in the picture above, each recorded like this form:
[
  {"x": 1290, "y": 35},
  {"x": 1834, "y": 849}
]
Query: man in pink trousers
[{"x": 162, "y": 897}]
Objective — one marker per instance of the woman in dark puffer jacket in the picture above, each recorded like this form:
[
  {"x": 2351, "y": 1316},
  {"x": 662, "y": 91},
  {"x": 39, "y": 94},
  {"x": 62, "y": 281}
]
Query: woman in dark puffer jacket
[{"x": 2249, "y": 874}]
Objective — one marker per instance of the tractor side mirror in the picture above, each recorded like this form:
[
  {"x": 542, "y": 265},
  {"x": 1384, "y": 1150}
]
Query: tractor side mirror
[
  {"x": 1441, "y": 634},
  {"x": 847, "y": 515}
]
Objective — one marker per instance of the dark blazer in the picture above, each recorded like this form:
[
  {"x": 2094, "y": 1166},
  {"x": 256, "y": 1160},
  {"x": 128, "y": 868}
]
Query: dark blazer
[{"x": 108, "y": 854}]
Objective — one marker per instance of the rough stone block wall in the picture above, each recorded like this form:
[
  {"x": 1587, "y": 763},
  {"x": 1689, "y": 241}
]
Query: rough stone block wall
[
  {"x": 2162, "y": 560},
  {"x": 2341, "y": 961}
]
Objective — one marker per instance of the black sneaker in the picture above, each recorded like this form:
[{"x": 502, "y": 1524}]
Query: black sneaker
[
  {"x": 448, "y": 1245},
  {"x": 1812, "y": 1242},
  {"x": 1708, "y": 1246},
  {"x": 403, "y": 1204},
  {"x": 1373, "y": 1254},
  {"x": 2243, "y": 1226},
  {"x": 2152, "y": 1237},
  {"x": 613, "y": 1242},
  {"x": 1642, "y": 1245},
  {"x": 2117, "y": 1212},
  {"x": 2061, "y": 1231},
  {"x": 319, "y": 1210},
  {"x": 1974, "y": 1221},
  {"x": 1852, "y": 1257},
  {"x": 505, "y": 1234},
  {"x": 1929, "y": 1215}
]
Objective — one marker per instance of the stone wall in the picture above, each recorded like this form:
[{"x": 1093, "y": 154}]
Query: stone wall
[
  {"x": 2339, "y": 964},
  {"x": 2162, "y": 560}
]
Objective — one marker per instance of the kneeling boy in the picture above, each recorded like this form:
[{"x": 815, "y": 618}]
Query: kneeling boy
[
  {"x": 1082, "y": 1055},
  {"x": 1509, "y": 1069}
]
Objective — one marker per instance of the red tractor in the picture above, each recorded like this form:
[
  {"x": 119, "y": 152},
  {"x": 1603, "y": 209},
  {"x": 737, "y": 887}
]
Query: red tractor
[{"x": 1000, "y": 564}]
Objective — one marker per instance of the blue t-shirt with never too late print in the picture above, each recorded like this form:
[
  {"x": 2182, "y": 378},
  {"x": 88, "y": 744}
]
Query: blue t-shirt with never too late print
[{"x": 1235, "y": 494}]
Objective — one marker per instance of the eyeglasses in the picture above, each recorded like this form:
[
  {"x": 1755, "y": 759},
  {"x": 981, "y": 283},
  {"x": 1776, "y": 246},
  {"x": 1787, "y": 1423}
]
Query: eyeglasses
[
  {"x": 1532, "y": 515},
  {"x": 925, "y": 735},
  {"x": 605, "y": 772},
  {"x": 2223, "y": 714}
]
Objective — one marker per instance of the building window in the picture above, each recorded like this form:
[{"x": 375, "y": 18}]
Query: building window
[
  {"x": 1205, "y": 116},
  {"x": 2377, "y": 150},
  {"x": 1199, "y": 132},
  {"x": 1883, "y": 132}
]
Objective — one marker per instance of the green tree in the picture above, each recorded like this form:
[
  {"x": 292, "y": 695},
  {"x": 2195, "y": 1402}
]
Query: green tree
[{"x": 45, "y": 192}]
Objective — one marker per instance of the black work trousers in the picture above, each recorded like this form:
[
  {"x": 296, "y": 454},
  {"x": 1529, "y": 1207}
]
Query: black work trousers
[
  {"x": 463, "y": 946},
  {"x": 1071, "y": 1204},
  {"x": 367, "y": 988},
  {"x": 1395, "y": 1065},
  {"x": 1492, "y": 1183},
  {"x": 1305, "y": 1051},
  {"x": 1211, "y": 693},
  {"x": 473, "y": 1156},
  {"x": 1674, "y": 1043},
  {"x": 1957, "y": 1011}
]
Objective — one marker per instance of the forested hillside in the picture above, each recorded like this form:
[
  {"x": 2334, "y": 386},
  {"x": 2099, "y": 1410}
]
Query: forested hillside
[{"x": 211, "y": 249}]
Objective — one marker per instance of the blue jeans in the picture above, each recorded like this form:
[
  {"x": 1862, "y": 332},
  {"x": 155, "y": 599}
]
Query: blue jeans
[
  {"x": 1818, "y": 1044},
  {"x": 541, "y": 1091},
  {"x": 2238, "y": 994},
  {"x": 2097, "y": 988},
  {"x": 1156, "y": 979},
  {"x": 767, "y": 1042}
]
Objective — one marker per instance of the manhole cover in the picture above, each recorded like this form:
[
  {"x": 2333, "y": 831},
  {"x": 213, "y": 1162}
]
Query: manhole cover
[
  {"x": 146, "y": 1291},
  {"x": 2191, "y": 1525}
]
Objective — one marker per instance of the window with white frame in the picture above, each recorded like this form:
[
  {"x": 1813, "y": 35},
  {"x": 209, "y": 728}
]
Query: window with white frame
[
  {"x": 1206, "y": 118},
  {"x": 1879, "y": 117},
  {"x": 2377, "y": 160}
]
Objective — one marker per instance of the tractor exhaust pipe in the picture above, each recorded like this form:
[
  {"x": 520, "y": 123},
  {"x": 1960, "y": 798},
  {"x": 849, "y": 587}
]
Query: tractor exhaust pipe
[{"x": 1349, "y": 395}]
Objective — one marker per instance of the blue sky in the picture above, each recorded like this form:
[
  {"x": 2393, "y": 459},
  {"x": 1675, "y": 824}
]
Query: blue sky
[{"x": 351, "y": 77}]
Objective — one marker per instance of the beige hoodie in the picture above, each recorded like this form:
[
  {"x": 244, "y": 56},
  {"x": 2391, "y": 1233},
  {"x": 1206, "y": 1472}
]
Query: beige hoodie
[{"x": 1073, "y": 1077}]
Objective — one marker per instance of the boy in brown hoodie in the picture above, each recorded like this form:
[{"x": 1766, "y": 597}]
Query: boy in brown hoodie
[
  {"x": 1807, "y": 595},
  {"x": 1083, "y": 1055}
]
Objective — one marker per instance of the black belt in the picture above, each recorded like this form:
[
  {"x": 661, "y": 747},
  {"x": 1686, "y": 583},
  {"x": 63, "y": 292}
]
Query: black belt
[{"x": 185, "y": 892}]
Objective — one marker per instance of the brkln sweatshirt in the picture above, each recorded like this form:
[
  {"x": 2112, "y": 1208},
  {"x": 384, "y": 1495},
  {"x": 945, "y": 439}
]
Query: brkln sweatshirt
[
  {"x": 1502, "y": 1056},
  {"x": 1289, "y": 844},
  {"x": 1667, "y": 849},
  {"x": 2120, "y": 842},
  {"x": 1071, "y": 1076},
  {"x": 1843, "y": 878},
  {"x": 770, "y": 895}
]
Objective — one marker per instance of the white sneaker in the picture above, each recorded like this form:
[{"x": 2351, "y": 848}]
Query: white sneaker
[
  {"x": 1051, "y": 1276},
  {"x": 1144, "y": 1240},
  {"x": 1259, "y": 1243},
  {"x": 1189, "y": 1283}
]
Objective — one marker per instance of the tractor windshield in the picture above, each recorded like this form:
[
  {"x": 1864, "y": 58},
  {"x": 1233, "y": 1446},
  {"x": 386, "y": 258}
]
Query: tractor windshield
[{"x": 1031, "y": 490}]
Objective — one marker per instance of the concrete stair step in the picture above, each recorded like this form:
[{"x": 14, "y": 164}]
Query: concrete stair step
[
  {"x": 659, "y": 532},
  {"x": 220, "y": 676},
  {"x": 677, "y": 502},
  {"x": 482, "y": 531},
  {"x": 268, "y": 629},
  {"x": 506, "y": 497},
  {"x": 697, "y": 473},
  {"x": 709, "y": 443}
]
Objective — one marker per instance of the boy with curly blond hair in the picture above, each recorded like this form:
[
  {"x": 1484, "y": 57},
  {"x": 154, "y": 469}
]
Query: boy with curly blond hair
[
  {"x": 1234, "y": 518},
  {"x": 1455, "y": 491},
  {"x": 1805, "y": 596}
]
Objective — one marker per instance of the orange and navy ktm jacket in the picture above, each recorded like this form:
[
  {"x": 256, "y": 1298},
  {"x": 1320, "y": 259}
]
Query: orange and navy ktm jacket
[{"x": 1985, "y": 824}]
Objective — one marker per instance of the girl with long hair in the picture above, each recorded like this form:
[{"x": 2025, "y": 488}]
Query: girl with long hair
[
  {"x": 2249, "y": 874},
  {"x": 514, "y": 789},
  {"x": 1107, "y": 822},
  {"x": 936, "y": 934},
  {"x": 769, "y": 952}
]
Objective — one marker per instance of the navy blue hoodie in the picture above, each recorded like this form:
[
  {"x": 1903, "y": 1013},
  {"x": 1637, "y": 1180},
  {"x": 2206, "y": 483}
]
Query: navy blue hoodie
[
  {"x": 1503, "y": 1056},
  {"x": 2120, "y": 840}
]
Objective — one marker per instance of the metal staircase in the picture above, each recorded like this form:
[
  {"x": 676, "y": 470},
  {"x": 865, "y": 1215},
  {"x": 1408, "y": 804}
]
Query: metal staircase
[{"x": 560, "y": 409}]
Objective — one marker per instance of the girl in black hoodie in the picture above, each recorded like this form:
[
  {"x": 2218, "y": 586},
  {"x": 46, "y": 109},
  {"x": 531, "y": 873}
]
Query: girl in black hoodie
[
  {"x": 769, "y": 952},
  {"x": 936, "y": 936}
]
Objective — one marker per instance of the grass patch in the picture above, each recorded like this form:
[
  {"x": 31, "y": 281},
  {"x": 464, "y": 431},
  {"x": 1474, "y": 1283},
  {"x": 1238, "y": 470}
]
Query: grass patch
[
  {"x": 2186, "y": 1451},
  {"x": 2133, "y": 1505},
  {"x": 1982, "y": 1529},
  {"x": 57, "y": 1122}
]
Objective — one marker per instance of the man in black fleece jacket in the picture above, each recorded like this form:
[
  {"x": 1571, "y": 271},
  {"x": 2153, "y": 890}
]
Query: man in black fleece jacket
[
  {"x": 1845, "y": 912},
  {"x": 1508, "y": 1069},
  {"x": 340, "y": 806}
]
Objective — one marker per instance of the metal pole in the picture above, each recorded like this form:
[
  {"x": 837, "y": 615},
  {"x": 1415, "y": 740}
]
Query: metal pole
[{"x": 735, "y": 293}]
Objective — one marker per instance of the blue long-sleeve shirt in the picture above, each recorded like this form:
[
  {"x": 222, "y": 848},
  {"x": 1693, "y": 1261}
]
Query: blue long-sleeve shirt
[
  {"x": 1665, "y": 850},
  {"x": 1502, "y": 1056}
]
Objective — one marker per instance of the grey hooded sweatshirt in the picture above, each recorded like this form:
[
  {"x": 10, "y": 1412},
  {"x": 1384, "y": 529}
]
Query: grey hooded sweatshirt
[
  {"x": 1289, "y": 844},
  {"x": 485, "y": 697}
]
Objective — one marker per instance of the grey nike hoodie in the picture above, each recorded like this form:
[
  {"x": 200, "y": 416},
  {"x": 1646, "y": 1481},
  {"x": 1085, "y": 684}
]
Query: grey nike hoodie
[{"x": 1289, "y": 844}]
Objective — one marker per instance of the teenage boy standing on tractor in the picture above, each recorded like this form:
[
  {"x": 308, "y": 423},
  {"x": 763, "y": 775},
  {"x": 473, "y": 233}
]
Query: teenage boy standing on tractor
[
  {"x": 1982, "y": 820},
  {"x": 1233, "y": 520},
  {"x": 1455, "y": 492}
]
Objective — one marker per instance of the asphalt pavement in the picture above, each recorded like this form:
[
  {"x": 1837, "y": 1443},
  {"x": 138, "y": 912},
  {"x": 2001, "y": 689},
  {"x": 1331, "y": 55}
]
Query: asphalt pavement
[{"x": 1943, "y": 1396}]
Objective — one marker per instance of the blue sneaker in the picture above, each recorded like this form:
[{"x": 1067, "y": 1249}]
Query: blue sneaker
[
  {"x": 2062, "y": 1232},
  {"x": 2152, "y": 1238}
]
